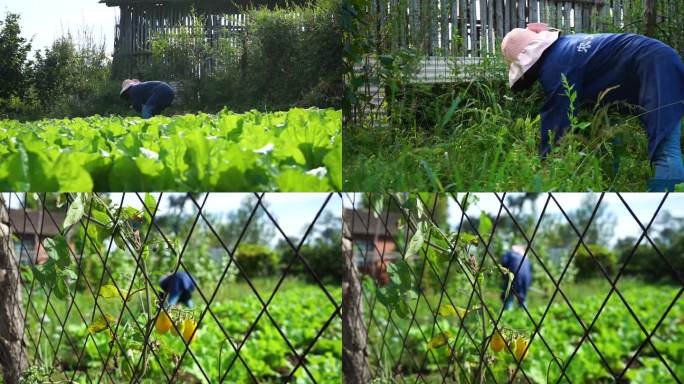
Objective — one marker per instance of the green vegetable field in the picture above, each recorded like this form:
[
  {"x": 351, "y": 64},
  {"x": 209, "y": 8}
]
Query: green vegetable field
[
  {"x": 300, "y": 310},
  {"x": 616, "y": 334},
  {"x": 282, "y": 151}
]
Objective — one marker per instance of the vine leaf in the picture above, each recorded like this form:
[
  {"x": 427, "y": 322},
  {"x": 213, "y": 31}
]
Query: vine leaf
[
  {"x": 416, "y": 241},
  {"x": 75, "y": 212},
  {"x": 101, "y": 323},
  {"x": 439, "y": 340},
  {"x": 110, "y": 291},
  {"x": 485, "y": 226},
  {"x": 447, "y": 310}
]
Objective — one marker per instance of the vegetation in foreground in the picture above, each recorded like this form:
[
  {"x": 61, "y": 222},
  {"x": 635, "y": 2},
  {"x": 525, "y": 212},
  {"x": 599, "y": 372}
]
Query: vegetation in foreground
[
  {"x": 282, "y": 151},
  {"x": 479, "y": 136},
  {"x": 616, "y": 335},
  {"x": 93, "y": 315}
]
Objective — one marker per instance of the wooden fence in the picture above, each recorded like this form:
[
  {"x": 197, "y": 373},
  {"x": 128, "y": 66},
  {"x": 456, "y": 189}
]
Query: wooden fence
[
  {"x": 137, "y": 26},
  {"x": 472, "y": 27}
]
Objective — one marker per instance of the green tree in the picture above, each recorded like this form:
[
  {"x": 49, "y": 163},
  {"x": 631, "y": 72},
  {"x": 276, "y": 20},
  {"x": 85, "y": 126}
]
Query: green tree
[
  {"x": 13, "y": 51},
  {"x": 259, "y": 231},
  {"x": 56, "y": 71}
]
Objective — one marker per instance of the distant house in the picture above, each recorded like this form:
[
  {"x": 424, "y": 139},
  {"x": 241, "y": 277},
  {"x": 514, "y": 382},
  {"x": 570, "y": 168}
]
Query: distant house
[
  {"x": 373, "y": 240},
  {"x": 28, "y": 233}
]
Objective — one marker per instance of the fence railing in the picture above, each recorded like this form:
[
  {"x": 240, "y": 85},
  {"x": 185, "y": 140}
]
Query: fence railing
[
  {"x": 473, "y": 27},
  {"x": 435, "y": 317},
  {"x": 94, "y": 310}
]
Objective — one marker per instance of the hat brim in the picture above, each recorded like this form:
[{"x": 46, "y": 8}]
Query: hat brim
[
  {"x": 529, "y": 57},
  {"x": 124, "y": 89},
  {"x": 529, "y": 77}
]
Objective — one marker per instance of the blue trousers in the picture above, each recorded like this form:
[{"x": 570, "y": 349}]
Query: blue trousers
[
  {"x": 669, "y": 168},
  {"x": 162, "y": 96}
]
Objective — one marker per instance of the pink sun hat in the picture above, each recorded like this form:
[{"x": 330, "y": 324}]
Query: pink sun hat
[
  {"x": 522, "y": 47},
  {"x": 127, "y": 84}
]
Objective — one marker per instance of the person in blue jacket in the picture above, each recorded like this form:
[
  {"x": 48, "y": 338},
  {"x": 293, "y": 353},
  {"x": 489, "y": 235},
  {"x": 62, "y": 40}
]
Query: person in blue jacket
[
  {"x": 148, "y": 98},
  {"x": 641, "y": 71},
  {"x": 522, "y": 276},
  {"x": 178, "y": 288}
]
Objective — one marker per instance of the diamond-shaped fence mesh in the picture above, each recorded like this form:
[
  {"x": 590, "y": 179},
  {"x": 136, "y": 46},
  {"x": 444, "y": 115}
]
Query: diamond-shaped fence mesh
[
  {"x": 178, "y": 287},
  {"x": 497, "y": 288}
]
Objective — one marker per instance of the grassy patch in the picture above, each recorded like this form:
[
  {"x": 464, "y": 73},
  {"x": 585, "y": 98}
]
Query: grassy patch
[{"x": 479, "y": 136}]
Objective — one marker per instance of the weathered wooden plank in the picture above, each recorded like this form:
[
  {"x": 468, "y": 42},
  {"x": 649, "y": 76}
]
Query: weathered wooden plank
[
  {"x": 566, "y": 15},
  {"x": 577, "y": 17},
  {"x": 454, "y": 26},
  {"x": 444, "y": 25},
  {"x": 474, "y": 46},
  {"x": 499, "y": 19},
  {"x": 521, "y": 14},
  {"x": 514, "y": 14},
  {"x": 534, "y": 8},
  {"x": 490, "y": 25},
  {"x": 402, "y": 17},
  {"x": 463, "y": 25},
  {"x": 434, "y": 26},
  {"x": 413, "y": 22}
]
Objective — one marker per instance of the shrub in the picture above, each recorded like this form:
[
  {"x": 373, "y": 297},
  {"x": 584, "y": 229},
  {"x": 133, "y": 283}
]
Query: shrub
[
  {"x": 257, "y": 259},
  {"x": 586, "y": 265},
  {"x": 324, "y": 259}
]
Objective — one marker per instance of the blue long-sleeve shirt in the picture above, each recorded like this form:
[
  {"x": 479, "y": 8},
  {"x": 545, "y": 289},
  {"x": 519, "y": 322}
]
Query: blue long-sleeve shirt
[
  {"x": 648, "y": 74},
  {"x": 154, "y": 93},
  {"x": 523, "y": 273},
  {"x": 179, "y": 287}
]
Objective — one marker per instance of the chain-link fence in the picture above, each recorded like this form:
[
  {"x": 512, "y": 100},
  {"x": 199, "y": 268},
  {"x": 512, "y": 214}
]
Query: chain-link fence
[
  {"x": 515, "y": 287},
  {"x": 177, "y": 288}
]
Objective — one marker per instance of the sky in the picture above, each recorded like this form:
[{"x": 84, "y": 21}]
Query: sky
[
  {"x": 292, "y": 211},
  {"x": 642, "y": 204},
  {"x": 45, "y": 20}
]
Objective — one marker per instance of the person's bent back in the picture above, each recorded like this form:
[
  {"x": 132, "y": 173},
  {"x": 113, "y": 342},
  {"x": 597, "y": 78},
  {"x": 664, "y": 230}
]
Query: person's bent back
[
  {"x": 522, "y": 269},
  {"x": 149, "y": 98}
]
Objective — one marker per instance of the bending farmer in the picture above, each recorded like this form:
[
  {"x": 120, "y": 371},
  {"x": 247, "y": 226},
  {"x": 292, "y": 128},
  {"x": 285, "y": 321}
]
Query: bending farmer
[
  {"x": 523, "y": 276},
  {"x": 149, "y": 97},
  {"x": 178, "y": 288},
  {"x": 636, "y": 69}
]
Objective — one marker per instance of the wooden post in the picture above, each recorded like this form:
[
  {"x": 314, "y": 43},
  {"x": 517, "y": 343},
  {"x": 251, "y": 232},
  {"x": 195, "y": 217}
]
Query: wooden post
[
  {"x": 499, "y": 19},
  {"x": 474, "y": 39},
  {"x": 12, "y": 349},
  {"x": 444, "y": 26},
  {"x": 490, "y": 26},
  {"x": 533, "y": 18},
  {"x": 454, "y": 26},
  {"x": 463, "y": 23},
  {"x": 354, "y": 339},
  {"x": 649, "y": 17}
]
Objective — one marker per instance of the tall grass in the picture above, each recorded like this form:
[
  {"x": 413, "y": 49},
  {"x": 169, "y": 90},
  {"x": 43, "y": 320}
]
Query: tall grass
[{"x": 477, "y": 135}]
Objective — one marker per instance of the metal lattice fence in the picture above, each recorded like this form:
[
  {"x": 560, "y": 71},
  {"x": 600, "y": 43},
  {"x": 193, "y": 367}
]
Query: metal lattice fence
[
  {"x": 430, "y": 299},
  {"x": 94, "y": 309}
]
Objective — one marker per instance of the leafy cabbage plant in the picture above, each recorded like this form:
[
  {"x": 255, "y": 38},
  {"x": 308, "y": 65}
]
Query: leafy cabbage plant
[{"x": 297, "y": 150}]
